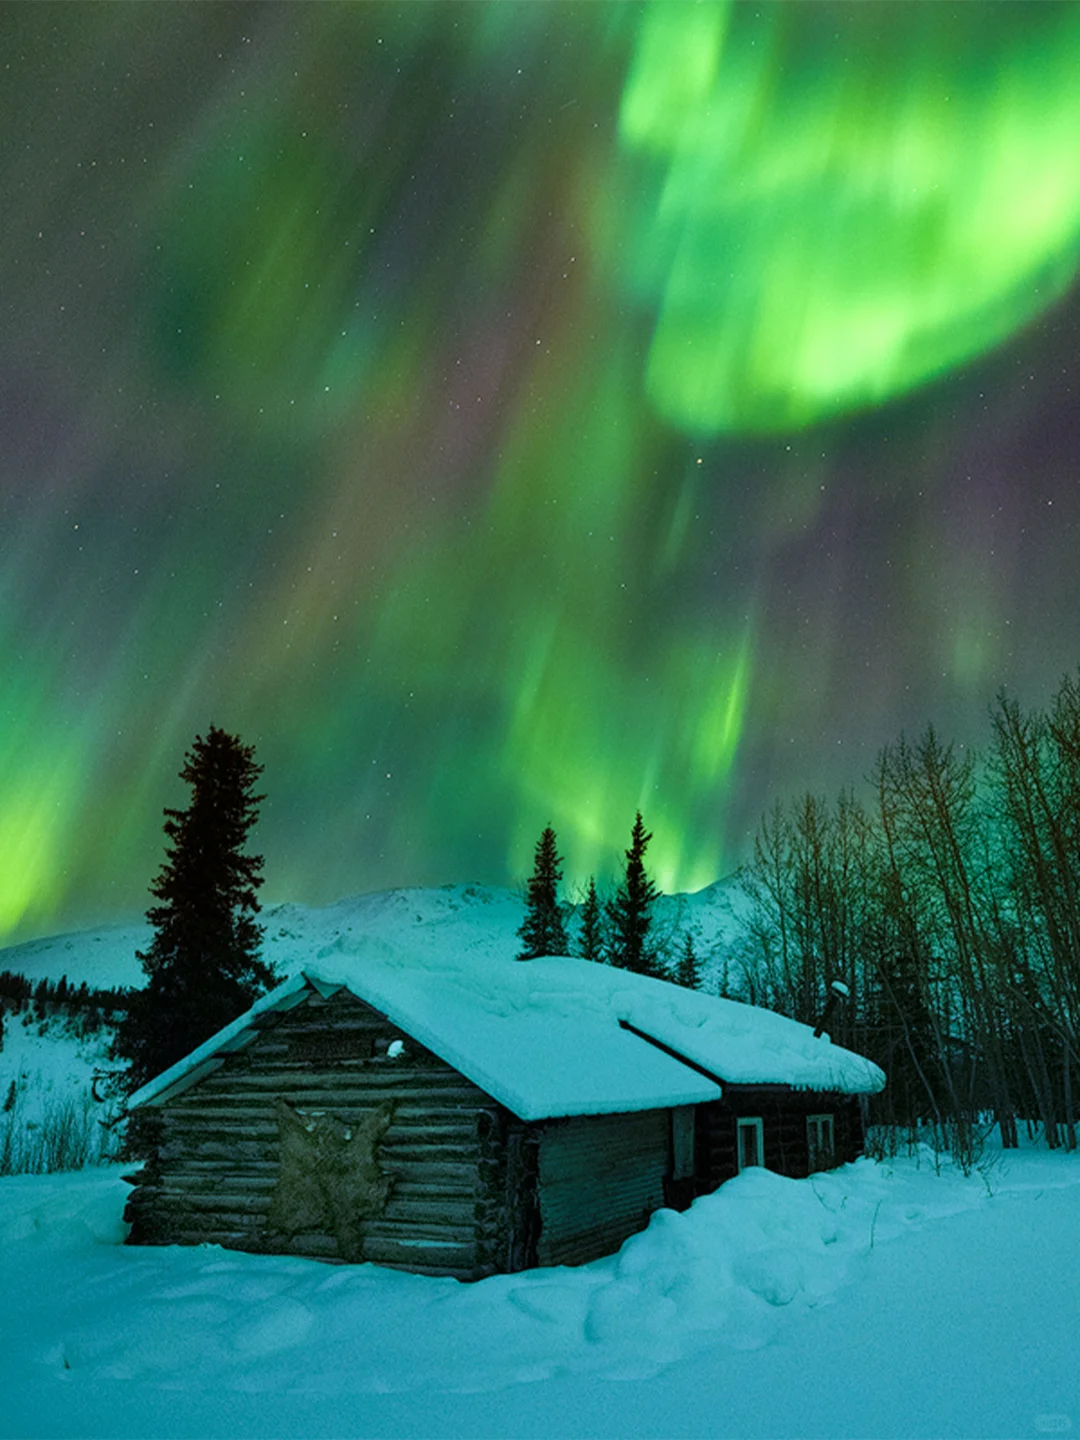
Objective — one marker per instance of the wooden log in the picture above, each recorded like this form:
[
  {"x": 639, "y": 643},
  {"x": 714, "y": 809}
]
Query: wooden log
[
  {"x": 182, "y": 1178},
  {"x": 409, "y": 1147},
  {"x": 314, "y": 1247},
  {"x": 201, "y": 1121},
  {"x": 212, "y": 1159},
  {"x": 343, "y": 1102},
  {"x": 175, "y": 1220},
  {"x": 407, "y": 1127},
  {"x": 429, "y": 1172},
  {"x": 203, "y": 1102},
  {"x": 414, "y": 1210},
  {"x": 355, "y": 1062},
  {"x": 463, "y": 1187},
  {"x": 406, "y": 1229},
  {"x": 419, "y": 1250},
  {"x": 344, "y": 1022},
  {"x": 199, "y": 1202},
  {"x": 354, "y": 1075}
]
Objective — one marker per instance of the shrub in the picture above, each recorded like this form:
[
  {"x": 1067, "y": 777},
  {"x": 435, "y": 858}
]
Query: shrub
[{"x": 69, "y": 1134}]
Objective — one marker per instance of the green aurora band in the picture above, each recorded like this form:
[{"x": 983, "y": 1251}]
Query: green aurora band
[
  {"x": 845, "y": 201},
  {"x": 408, "y": 427}
]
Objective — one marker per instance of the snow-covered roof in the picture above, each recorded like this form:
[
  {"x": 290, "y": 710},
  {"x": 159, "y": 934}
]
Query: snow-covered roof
[{"x": 550, "y": 1037}]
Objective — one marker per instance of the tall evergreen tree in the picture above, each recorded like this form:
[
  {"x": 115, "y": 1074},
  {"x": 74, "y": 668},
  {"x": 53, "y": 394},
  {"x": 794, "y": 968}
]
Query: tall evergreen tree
[
  {"x": 688, "y": 971},
  {"x": 202, "y": 966},
  {"x": 591, "y": 937},
  {"x": 542, "y": 931},
  {"x": 630, "y": 909}
]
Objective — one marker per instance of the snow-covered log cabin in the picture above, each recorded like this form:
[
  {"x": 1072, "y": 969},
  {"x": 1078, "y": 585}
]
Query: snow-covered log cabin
[{"x": 479, "y": 1117}]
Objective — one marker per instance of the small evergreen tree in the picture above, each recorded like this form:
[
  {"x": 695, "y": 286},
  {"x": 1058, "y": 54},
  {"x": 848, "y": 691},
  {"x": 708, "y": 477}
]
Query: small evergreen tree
[
  {"x": 688, "y": 971},
  {"x": 202, "y": 966},
  {"x": 630, "y": 910},
  {"x": 542, "y": 932},
  {"x": 591, "y": 938}
]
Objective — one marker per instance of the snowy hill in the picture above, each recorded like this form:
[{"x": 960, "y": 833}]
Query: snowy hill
[
  {"x": 104, "y": 957},
  {"x": 422, "y": 922}
]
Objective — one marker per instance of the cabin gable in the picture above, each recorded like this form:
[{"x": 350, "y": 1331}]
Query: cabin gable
[{"x": 335, "y": 1135}]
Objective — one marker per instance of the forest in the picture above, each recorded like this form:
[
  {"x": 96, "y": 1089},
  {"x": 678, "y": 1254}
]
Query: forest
[{"x": 948, "y": 904}]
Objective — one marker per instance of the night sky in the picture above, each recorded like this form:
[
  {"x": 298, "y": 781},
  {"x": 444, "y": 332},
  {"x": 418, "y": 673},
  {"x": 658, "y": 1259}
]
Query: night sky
[{"x": 503, "y": 414}]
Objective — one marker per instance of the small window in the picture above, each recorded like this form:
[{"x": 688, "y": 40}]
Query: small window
[
  {"x": 819, "y": 1134},
  {"x": 750, "y": 1136},
  {"x": 682, "y": 1143}
]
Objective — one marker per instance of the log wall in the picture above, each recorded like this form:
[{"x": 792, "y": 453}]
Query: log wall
[
  {"x": 444, "y": 1209},
  {"x": 784, "y": 1114},
  {"x": 600, "y": 1177}
]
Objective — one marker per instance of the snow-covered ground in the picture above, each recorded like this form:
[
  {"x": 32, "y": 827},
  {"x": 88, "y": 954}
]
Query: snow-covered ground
[
  {"x": 50, "y": 1060},
  {"x": 877, "y": 1300},
  {"x": 103, "y": 957}
]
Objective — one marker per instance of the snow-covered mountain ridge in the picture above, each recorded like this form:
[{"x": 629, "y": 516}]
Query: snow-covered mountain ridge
[{"x": 420, "y": 921}]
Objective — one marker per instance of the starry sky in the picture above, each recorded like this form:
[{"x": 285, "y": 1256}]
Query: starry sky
[{"x": 504, "y": 414}]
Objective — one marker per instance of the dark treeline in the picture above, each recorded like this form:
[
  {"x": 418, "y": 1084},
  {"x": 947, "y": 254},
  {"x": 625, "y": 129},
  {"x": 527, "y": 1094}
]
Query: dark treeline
[
  {"x": 88, "y": 1007},
  {"x": 949, "y": 905},
  {"x": 618, "y": 930}
]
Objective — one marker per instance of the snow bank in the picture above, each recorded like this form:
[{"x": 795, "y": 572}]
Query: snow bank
[{"x": 764, "y": 1309}]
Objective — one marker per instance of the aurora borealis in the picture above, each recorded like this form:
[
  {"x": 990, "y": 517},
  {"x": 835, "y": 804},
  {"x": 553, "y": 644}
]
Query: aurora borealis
[{"x": 504, "y": 414}]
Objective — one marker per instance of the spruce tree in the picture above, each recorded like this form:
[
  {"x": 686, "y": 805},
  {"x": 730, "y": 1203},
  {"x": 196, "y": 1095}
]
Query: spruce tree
[
  {"x": 630, "y": 910},
  {"x": 542, "y": 932},
  {"x": 202, "y": 966},
  {"x": 591, "y": 938},
  {"x": 688, "y": 971}
]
